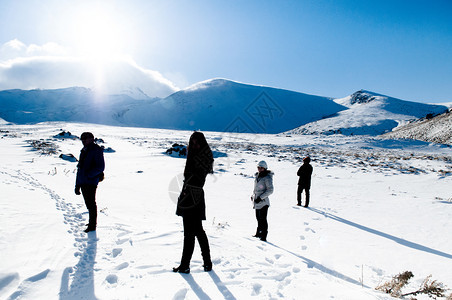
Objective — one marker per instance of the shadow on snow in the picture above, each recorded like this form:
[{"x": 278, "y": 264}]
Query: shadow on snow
[{"x": 382, "y": 234}]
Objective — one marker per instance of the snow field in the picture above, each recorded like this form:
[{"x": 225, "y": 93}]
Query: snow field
[{"x": 367, "y": 222}]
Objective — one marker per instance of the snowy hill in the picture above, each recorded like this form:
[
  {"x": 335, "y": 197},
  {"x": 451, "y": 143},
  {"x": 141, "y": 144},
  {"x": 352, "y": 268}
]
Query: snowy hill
[
  {"x": 214, "y": 105},
  {"x": 223, "y": 105},
  {"x": 437, "y": 129},
  {"x": 369, "y": 113},
  {"x": 75, "y": 104},
  {"x": 218, "y": 105}
]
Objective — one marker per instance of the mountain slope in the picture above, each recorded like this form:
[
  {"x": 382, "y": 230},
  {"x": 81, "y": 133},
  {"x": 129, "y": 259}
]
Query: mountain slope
[
  {"x": 369, "y": 113},
  {"x": 214, "y": 105},
  {"x": 223, "y": 105},
  {"x": 437, "y": 130},
  {"x": 69, "y": 104}
]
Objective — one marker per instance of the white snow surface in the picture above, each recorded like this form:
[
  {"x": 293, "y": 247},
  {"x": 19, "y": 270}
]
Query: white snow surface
[
  {"x": 378, "y": 208},
  {"x": 369, "y": 113}
]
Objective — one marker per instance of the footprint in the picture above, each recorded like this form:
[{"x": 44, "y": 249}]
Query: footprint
[
  {"x": 121, "y": 241},
  {"x": 256, "y": 289},
  {"x": 116, "y": 252},
  {"x": 122, "y": 266},
  {"x": 112, "y": 279},
  {"x": 38, "y": 276},
  {"x": 304, "y": 247},
  {"x": 302, "y": 237}
]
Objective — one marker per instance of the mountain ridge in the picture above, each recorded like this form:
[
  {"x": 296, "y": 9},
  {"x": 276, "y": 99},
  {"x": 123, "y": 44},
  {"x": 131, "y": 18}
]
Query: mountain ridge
[
  {"x": 218, "y": 105},
  {"x": 369, "y": 113}
]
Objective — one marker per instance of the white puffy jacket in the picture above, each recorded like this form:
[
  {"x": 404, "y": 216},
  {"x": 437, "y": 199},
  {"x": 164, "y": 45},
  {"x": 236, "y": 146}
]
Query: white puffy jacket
[{"x": 263, "y": 187}]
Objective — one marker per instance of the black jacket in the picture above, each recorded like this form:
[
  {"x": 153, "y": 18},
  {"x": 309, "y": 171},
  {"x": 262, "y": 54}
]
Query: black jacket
[
  {"x": 90, "y": 166},
  {"x": 191, "y": 201},
  {"x": 305, "y": 172}
]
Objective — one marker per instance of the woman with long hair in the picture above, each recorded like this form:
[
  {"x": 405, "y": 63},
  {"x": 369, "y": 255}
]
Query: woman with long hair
[{"x": 191, "y": 204}]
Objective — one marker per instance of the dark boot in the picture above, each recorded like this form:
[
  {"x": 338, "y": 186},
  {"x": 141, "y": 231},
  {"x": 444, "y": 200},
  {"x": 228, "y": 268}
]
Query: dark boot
[
  {"x": 264, "y": 236},
  {"x": 258, "y": 233},
  {"x": 181, "y": 269}
]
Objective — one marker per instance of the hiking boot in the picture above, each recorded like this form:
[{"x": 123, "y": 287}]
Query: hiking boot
[
  {"x": 89, "y": 229},
  {"x": 207, "y": 267},
  {"x": 181, "y": 269}
]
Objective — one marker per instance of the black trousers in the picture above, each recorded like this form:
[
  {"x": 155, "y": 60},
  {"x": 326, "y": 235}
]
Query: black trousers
[
  {"x": 299, "y": 191},
  {"x": 89, "y": 194},
  {"x": 193, "y": 228},
  {"x": 262, "y": 224}
]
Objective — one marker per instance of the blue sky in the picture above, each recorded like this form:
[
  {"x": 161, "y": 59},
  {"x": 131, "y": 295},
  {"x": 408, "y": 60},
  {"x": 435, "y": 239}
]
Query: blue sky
[{"x": 401, "y": 48}]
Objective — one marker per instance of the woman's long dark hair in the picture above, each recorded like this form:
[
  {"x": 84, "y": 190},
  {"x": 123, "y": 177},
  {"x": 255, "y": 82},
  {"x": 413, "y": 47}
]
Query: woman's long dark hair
[{"x": 199, "y": 158}]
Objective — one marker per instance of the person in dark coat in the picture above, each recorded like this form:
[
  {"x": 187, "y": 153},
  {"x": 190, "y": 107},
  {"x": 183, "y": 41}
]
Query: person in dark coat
[
  {"x": 304, "y": 182},
  {"x": 191, "y": 204},
  {"x": 90, "y": 170}
]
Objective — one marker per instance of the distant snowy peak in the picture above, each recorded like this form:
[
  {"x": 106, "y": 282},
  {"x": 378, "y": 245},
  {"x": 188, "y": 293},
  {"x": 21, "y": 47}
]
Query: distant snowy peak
[
  {"x": 216, "y": 82},
  {"x": 135, "y": 93},
  {"x": 360, "y": 97},
  {"x": 221, "y": 83},
  {"x": 370, "y": 113}
]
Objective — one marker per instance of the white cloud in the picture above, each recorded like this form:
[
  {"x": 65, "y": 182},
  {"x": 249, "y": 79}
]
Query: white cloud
[{"x": 50, "y": 66}]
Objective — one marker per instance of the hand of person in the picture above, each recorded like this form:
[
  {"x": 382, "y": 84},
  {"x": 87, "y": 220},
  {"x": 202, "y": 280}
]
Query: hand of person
[
  {"x": 257, "y": 200},
  {"x": 77, "y": 190}
]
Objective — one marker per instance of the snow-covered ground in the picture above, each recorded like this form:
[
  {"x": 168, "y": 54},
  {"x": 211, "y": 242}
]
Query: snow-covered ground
[{"x": 378, "y": 208}]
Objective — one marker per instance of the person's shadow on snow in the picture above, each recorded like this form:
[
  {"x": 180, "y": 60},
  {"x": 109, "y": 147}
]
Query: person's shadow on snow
[
  {"x": 82, "y": 284},
  {"x": 396, "y": 239},
  {"x": 200, "y": 292}
]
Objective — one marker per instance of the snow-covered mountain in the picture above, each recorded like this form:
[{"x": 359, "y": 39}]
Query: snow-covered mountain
[
  {"x": 218, "y": 105},
  {"x": 370, "y": 113},
  {"x": 214, "y": 105},
  {"x": 437, "y": 129},
  {"x": 69, "y": 104},
  {"x": 224, "y": 105}
]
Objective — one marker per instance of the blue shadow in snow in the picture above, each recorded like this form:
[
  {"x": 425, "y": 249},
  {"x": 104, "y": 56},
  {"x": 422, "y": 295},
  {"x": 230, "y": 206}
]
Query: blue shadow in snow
[
  {"x": 82, "y": 285},
  {"x": 312, "y": 264},
  {"x": 221, "y": 286},
  {"x": 382, "y": 234},
  {"x": 195, "y": 286}
]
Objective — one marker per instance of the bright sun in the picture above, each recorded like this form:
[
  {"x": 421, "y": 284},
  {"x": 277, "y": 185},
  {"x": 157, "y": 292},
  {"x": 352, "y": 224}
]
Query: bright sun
[{"x": 99, "y": 35}]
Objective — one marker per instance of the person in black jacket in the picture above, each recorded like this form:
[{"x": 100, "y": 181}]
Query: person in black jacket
[
  {"x": 191, "y": 204},
  {"x": 304, "y": 182},
  {"x": 90, "y": 170}
]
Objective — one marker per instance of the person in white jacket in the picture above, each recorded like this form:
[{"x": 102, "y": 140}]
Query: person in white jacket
[{"x": 263, "y": 187}]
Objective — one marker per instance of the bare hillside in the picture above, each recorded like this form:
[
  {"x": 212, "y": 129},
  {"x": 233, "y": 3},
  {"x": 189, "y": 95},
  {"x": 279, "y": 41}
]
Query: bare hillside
[{"x": 437, "y": 130}]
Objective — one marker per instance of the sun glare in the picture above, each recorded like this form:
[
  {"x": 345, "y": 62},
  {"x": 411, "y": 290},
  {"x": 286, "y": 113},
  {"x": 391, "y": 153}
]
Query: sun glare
[
  {"x": 98, "y": 35},
  {"x": 101, "y": 37}
]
